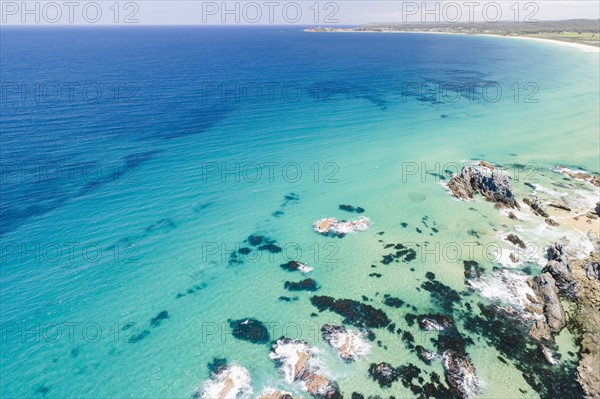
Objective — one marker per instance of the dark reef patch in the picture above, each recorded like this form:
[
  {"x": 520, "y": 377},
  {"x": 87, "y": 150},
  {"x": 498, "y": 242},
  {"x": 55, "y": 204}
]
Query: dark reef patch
[
  {"x": 217, "y": 365},
  {"x": 250, "y": 330},
  {"x": 442, "y": 295},
  {"x": 305, "y": 285},
  {"x": 350, "y": 208},
  {"x": 384, "y": 373},
  {"x": 377, "y": 275},
  {"x": 393, "y": 301},
  {"x": 402, "y": 254},
  {"x": 135, "y": 338},
  {"x": 354, "y": 312},
  {"x": 159, "y": 318}
]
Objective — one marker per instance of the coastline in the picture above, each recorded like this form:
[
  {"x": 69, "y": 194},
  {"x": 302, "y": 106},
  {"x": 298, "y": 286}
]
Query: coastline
[{"x": 587, "y": 48}]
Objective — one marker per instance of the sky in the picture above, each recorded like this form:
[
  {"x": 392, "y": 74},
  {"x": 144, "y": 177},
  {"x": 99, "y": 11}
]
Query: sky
[{"x": 293, "y": 12}]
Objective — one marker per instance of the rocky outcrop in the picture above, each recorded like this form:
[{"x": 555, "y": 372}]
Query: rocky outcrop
[
  {"x": 536, "y": 207},
  {"x": 230, "y": 382},
  {"x": 349, "y": 345},
  {"x": 545, "y": 288},
  {"x": 435, "y": 322},
  {"x": 460, "y": 375},
  {"x": 296, "y": 361},
  {"x": 425, "y": 355},
  {"x": 492, "y": 185},
  {"x": 339, "y": 228},
  {"x": 275, "y": 394},
  {"x": 586, "y": 320},
  {"x": 580, "y": 175},
  {"x": 515, "y": 240},
  {"x": 559, "y": 267}
]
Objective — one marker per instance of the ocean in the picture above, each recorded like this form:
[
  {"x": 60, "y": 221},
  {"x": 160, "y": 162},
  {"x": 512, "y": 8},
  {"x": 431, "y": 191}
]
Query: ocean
[{"x": 135, "y": 161}]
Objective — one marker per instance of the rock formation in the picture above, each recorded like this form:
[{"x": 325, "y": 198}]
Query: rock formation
[{"x": 493, "y": 186}]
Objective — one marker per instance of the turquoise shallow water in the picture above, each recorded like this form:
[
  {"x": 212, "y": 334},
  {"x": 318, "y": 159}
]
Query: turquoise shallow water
[{"x": 173, "y": 223}]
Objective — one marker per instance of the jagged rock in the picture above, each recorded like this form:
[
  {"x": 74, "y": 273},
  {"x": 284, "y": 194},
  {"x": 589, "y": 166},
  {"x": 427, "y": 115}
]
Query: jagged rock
[
  {"x": 295, "y": 359},
  {"x": 580, "y": 175},
  {"x": 559, "y": 267},
  {"x": 548, "y": 355},
  {"x": 552, "y": 222},
  {"x": 512, "y": 216},
  {"x": 384, "y": 373},
  {"x": 231, "y": 382},
  {"x": 348, "y": 344},
  {"x": 425, "y": 355},
  {"x": 513, "y": 238},
  {"x": 494, "y": 187},
  {"x": 536, "y": 207},
  {"x": 460, "y": 375},
  {"x": 560, "y": 206},
  {"x": 592, "y": 270},
  {"x": 545, "y": 288},
  {"x": 436, "y": 322}
]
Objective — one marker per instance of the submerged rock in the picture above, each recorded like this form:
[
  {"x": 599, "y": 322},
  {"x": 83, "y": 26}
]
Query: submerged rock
[
  {"x": 349, "y": 345},
  {"x": 354, "y": 312},
  {"x": 350, "y": 208},
  {"x": 493, "y": 186},
  {"x": 334, "y": 227},
  {"x": 295, "y": 265},
  {"x": 250, "y": 330},
  {"x": 305, "y": 285},
  {"x": 231, "y": 382}
]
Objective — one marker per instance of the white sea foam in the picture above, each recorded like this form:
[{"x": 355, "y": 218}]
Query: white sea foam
[
  {"x": 339, "y": 227},
  {"x": 289, "y": 353},
  {"x": 508, "y": 288},
  {"x": 231, "y": 383},
  {"x": 349, "y": 344}
]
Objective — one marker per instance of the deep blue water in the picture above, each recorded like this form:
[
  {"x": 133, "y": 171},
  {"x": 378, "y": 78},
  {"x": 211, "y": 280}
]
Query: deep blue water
[{"x": 118, "y": 165}]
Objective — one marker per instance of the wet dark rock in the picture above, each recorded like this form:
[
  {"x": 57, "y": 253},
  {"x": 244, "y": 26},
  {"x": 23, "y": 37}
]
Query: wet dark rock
[
  {"x": 473, "y": 270},
  {"x": 158, "y": 320},
  {"x": 430, "y": 276},
  {"x": 552, "y": 222},
  {"x": 434, "y": 322},
  {"x": 250, "y": 330},
  {"x": 559, "y": 267},
  {"x": 384, "y": 373},
  {"x": 514, "y": 239},
  {"x": 354, "y": 312},
  {"x": 425, "y": 355},
  {"x": 536, "y": 207},
  {"x": 560, "y": 206},
  {"x": 305, "y": 285},
  {"x": 460, "y": 375},
  {"x": 494, "y": 187}
]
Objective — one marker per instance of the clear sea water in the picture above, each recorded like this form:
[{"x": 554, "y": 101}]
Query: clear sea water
[{"x": 113, "y": 211}]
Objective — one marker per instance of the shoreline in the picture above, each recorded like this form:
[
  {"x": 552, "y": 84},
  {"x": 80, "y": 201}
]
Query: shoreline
[{"x": 587, "y": 48}]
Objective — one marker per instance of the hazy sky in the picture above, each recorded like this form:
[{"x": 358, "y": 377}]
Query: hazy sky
[{"x": 296, "y": 12}]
